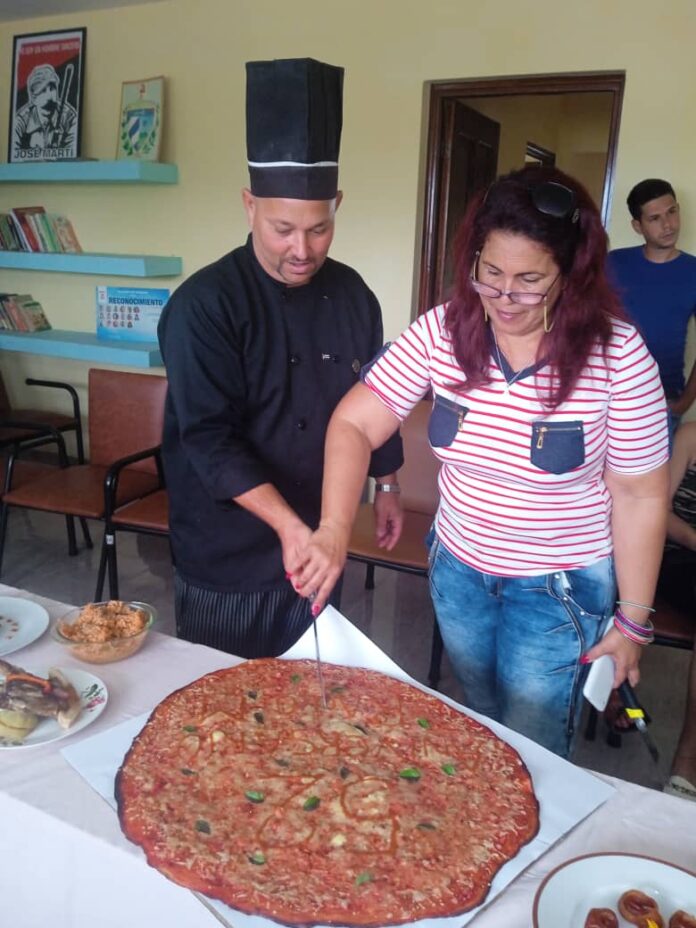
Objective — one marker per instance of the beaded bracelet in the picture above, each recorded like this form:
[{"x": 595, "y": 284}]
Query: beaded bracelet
[
  {"x": 629, "y": 602},
  {"x": 638, "y": 634}
]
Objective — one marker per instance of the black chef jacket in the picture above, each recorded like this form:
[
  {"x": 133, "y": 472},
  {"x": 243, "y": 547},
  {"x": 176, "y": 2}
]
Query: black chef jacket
[{"x": 255, "y": 370}]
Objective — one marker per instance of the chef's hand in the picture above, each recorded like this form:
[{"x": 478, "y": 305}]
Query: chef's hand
[
  {"x": 323, "y": 560},
  {"x": 293, "y": 539},
  {"x": 623, "y": 652},
  {"x": 389, "y": 519}
]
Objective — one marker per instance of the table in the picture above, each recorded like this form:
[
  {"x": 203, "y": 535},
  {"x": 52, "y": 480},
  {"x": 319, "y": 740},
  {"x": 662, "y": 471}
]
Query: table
[{"x": 64, "y": 861}]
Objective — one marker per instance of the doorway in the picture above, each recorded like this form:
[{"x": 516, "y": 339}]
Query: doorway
[{"x": 479, "y": 129}]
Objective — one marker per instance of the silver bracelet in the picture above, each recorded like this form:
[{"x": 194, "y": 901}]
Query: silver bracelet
[{"x": 387, "y": 488}]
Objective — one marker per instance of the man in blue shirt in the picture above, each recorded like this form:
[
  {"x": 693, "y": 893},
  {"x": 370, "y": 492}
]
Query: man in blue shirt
[{"x": 657, "y": 283}]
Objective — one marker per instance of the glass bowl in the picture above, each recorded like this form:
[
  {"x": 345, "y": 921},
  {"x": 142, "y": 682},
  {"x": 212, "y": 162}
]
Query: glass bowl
[{"x": 100, "y": 633}]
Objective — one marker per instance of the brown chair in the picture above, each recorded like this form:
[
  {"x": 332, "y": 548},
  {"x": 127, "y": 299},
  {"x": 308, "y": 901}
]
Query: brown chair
[
  {"x": 23, "y": 430},
  {"x": 420, "y": 498},
  {"x": 18, "y": 425},
  {"x": 125, "y": 416},
  {"x": 148, "y": 515}
]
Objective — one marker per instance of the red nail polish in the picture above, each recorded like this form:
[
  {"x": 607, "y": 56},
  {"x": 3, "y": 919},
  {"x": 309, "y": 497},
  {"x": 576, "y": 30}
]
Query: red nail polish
[
  {"x": 315, "y": 610},
  {"x": 584, "y": 659}
]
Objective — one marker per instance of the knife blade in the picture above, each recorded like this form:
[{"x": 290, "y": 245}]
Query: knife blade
[
  {"x": 635, "y": 712},
  {"x": 320, "y": 673}
]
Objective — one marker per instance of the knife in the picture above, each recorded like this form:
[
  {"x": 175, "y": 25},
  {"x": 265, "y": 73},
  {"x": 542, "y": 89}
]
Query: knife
[
  {"x": 634, "y": 711},
  {"x": 322, "y": 688}
]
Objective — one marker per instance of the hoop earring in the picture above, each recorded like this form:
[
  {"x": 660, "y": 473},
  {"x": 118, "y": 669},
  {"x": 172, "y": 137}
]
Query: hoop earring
[{"x": 547, "y": 327}]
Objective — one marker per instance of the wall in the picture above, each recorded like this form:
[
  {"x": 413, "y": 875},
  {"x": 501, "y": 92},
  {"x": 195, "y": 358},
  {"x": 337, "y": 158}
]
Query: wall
[
  {"x": 389, "y": 49},
  {"x": 574, "y": 126}
]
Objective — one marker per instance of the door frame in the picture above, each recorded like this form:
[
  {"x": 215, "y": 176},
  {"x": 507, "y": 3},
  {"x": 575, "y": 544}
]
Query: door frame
[{"x": 539, "y": 84}]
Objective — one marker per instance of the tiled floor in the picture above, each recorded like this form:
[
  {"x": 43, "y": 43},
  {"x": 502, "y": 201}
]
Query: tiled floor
[{"x": 397, "y": 615}]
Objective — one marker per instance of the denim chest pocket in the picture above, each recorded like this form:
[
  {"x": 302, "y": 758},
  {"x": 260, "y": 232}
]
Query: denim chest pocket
[
  {"x": 446, "y": 419},
  {"x": 558, "y": 447}
]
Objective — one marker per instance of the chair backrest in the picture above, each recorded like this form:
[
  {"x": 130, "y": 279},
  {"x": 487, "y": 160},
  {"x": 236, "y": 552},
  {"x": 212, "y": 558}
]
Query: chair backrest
[
  {"x": 126, "y": 413},
  {"x": 418, "y": 476},
  {"x": 5, "y": 408}
]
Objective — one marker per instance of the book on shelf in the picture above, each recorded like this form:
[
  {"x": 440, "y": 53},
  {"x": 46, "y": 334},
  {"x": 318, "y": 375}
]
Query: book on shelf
[
  {"x": 31, "y": 228},
  {"x": 64, "y": 233},
  {"x": 20, "y": 312},
  {"x": 9, "y": 237},
  {"x": 22, "y": 216}
]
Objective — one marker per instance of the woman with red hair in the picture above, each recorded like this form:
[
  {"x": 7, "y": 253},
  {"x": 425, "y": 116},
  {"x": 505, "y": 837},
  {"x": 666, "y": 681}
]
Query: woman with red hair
[{"x": 551, "y": 425}]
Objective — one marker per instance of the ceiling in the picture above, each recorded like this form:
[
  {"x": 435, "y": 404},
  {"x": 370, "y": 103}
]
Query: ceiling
[{"x": 26, "y": 9}]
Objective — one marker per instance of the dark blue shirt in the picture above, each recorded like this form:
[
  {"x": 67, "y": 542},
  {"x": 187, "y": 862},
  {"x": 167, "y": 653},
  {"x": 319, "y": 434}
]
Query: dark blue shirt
[{"x": 660, "y": 299}]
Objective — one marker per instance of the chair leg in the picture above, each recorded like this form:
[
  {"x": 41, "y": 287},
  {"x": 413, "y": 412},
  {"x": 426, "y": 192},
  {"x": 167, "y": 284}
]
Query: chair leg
[
  {"x": 112, "y": 565},
  {"x": 4, "y": 512},
  {"x": 101, "y": 573},
  {"x": 437, "y": 648},
  {"x": 85, "y": 533},
  {"x": 370, "y": 577},
  {"x": 591, "y": 727},
  {"x": 72, "y": 541}
]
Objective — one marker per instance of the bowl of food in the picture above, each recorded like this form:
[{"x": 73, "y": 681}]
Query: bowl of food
[{"x": 100, "y": 633}]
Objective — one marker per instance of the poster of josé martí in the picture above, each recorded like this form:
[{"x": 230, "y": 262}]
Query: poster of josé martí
[{"x": 46, "y": 101}]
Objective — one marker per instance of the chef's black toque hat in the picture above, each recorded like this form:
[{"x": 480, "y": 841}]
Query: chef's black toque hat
[{"x": 294, "y": 115}]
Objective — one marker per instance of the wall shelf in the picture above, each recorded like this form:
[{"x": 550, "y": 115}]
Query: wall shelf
[
  {"x": 89, "y": 172},
  {"x": 83, "y": 346},
  {"x": 95, "y": 263}
]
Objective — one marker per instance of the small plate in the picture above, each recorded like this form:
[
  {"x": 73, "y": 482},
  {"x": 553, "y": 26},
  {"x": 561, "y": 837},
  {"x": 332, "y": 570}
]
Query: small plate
[
  {"x": 21, "y": 622},
  {"x": 596, "y": 881},
  {"x": 93, "y": 695}
]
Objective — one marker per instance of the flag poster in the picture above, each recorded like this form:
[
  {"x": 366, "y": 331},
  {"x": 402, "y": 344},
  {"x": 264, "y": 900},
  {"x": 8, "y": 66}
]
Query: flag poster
[
  {"x": 129, "y": 313},
  {"x": 46, "y": 99},
  {"x": 140, "y": 126}
]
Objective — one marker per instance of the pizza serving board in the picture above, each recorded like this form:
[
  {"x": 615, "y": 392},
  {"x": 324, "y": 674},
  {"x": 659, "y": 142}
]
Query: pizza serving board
[{"x": 566, "y": 793}]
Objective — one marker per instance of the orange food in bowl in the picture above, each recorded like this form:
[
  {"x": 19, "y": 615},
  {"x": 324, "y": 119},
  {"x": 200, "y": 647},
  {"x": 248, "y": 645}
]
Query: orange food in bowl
[{"x": 103, "y": 632}]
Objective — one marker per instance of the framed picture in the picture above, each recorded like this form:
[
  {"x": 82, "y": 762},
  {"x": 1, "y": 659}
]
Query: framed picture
[
  {"x": 140, "y": 125},
  {"x": 46, "y": 96}
]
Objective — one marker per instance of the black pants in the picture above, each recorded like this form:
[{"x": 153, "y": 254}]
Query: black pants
[{"x": 263, "y": 624}]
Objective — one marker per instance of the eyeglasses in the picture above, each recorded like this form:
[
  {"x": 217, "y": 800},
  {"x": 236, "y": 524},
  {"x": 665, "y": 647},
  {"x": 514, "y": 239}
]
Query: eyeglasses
[{"x": 521, "y": 297}]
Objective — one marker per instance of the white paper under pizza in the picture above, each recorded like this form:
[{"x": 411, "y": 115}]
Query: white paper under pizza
[{"x": 566, "y": 793}]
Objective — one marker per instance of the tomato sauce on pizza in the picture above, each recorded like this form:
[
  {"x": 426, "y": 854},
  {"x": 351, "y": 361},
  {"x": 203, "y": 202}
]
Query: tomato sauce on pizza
[{"x": 386, "y": 807}]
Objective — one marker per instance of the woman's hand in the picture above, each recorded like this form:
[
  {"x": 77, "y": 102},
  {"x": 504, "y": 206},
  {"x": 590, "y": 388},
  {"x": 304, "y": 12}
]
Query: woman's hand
[
  {"x": 323, "y": 560},
  {"x": 625, "y": 654}
]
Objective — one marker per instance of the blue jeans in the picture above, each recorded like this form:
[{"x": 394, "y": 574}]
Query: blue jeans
[{"x": 514, "y": 642}]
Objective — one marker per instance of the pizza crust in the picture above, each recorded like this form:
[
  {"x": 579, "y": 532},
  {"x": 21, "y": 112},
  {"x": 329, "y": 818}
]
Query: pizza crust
[{"x": 388, "y": 807}]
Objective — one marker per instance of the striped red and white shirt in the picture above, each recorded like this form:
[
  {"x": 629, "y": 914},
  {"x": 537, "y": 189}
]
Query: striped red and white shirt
[{"x": 501, "y": 511}]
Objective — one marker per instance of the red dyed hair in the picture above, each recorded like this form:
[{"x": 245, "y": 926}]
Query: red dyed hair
[{"x": 584, "y": 309}]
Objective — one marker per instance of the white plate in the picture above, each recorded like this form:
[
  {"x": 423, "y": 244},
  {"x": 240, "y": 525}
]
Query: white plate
[
  {"x": 596, "y": 881},
  {"x": 93, "y": 695},
  {"x": 21, "y": 622}
]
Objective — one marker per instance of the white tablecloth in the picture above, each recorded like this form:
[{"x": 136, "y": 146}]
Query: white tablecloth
[{"x": 64, "y": 861}]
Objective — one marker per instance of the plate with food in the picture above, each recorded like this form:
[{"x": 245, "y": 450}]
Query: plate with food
[
  {"x": 37, "y": 706},
  {"x": 616, "y": 890},
  {"x": 21, "y": 622},
  {"x": 372, "y": 810}
]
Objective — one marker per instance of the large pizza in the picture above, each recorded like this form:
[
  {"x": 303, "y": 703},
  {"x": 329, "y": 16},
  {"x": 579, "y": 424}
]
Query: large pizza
[{"x": 385, "y": 807}]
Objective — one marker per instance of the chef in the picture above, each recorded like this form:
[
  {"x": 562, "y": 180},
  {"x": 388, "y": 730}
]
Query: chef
[{"x": 259, "y": 348}]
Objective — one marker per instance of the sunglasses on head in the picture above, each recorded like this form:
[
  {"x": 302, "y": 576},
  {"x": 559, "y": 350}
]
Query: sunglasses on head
[
  {"x": 551, "y": 199},
  {"x": 555, "y": 200}
]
